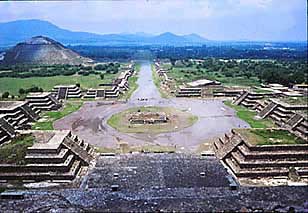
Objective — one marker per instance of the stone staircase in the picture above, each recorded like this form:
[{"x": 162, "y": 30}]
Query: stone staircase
[
  {"x": 240, "y": 98},
  {"x": 62, "y": 93},
  {"x": 31, "y": 114},
  {"x": 267, "y": 110},
  {"x": 189, "y": 92},
  {"x": 81, "y": 149},
  {"x": 294, "y": 120}
]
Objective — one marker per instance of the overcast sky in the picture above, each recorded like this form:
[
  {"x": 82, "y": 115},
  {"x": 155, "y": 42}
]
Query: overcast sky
[{"x": 212, "y": 19}]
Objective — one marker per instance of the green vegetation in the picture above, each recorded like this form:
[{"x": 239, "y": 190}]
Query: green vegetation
[
  {"x": 12, "y": 85},
  {"x": 2, "y": 189},
  {"x": 15, "y": 151},
  {"x": 270, "y": 137},
  {"x": 249, "y": 116},
  {"x": 177, "y": 120},
  {"x": 240, "y": 72},
  {"x": 295, "y": 100},
  {"x": 184, "y": 74},
  {"x": 46, "y": 122},
  {"x": 260, "y": 90},
  {"x": 28, "y": 71},
  {"x": 157, "y": 82},
  {"x": 17, "y": 80}
]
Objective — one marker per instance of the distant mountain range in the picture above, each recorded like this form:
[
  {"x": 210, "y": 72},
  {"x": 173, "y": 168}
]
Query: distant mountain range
[{"x": 18, "y": 31}]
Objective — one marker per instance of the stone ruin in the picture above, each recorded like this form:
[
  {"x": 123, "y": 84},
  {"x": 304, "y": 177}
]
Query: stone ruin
[
  {"x": 246, "y": 160},
  {"x": 56, "y": 156},
  {"x": 113, "y": 90},
  {"x": 18, "y": 115},
  {"x": 148, "y": 118}
]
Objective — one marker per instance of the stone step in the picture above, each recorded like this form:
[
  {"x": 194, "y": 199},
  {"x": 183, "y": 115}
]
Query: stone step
[
  {"x": 78, "y": 150},
  {"x": 4, "y": 139},
  {"x": 272, "y": 154},
  {"x": 42, "y": 176},
  {"x": 303, "y": 130},
  {"x": 244, "y": 163},
  {"x": 47, "y": 158},
  {"x": 253, "y": 173},
  {"x": 241, "y": 97}
]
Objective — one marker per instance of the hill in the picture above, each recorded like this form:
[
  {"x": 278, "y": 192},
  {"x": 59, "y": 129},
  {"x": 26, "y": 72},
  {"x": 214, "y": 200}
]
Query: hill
[
  {"x": 17, "y": 31},
  {"x": 41, "y": 50}
]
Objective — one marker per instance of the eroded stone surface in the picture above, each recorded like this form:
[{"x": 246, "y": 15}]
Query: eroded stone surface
[{"x": 160, "y": 182}]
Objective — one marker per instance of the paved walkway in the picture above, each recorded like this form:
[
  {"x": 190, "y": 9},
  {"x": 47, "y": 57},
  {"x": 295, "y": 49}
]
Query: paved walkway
[{"x": 215, "y": 119}]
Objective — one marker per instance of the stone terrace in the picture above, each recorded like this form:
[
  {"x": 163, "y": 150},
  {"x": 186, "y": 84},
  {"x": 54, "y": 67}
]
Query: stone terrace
[
  {"x": 55, "y": 155},
  {"x": 293, "y": 117},
  {"x": 267, "y": 161},
  {"x": 114, "y": 89},
  {"x": 44, "y": 101},
  {"x": 15, "y": 115}
]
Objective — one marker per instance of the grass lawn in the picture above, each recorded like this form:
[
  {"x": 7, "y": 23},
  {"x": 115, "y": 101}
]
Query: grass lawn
[
  {"x": 188, "y": 74},
  {"x": 295, "y": 100},
  {"x": 260, "y": 90},
  {"x": 46, "y": 123},
  {"x": 238, "y": 81},
  {"x": 270, "y": 137},
  {"x": 249, "y": 116},
  {"x": 177, "y": 120},
  {"x": 15, "y": 151},
  {"x": 12, "y": 85}
]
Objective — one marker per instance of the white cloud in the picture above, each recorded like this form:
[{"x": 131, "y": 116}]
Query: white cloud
[{"x": 217, "y": 19}]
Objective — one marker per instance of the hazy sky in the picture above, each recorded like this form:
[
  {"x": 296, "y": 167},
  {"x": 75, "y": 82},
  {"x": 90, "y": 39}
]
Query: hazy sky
[{"x": 213, "y": 19}]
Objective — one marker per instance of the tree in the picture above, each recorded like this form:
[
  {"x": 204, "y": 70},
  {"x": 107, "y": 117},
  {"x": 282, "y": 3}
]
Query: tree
[
  {"x": 102, "y": 76},
  {"x": 5, "y": 95},
  {"x": 22, "y": 91}
]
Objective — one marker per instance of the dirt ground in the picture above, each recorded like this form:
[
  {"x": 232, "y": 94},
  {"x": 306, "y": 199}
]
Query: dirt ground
[{"x": 90, "y": 122}]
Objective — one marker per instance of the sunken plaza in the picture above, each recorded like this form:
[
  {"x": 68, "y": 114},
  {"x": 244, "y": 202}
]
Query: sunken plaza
[{"x": 189, "y": 152}]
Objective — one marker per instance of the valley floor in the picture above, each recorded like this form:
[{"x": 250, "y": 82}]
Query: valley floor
[{"x": 90, "y": 122}]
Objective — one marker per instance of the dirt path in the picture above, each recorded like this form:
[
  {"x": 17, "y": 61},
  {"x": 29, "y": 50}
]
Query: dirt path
[{"x": 89, "y": 122}]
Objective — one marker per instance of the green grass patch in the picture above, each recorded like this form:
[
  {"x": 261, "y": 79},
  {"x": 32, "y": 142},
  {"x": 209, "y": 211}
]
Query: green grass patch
[
  {"x": 177, "y": 120},
  {"x": 270, "y": 137},
  {"x": 249, "y": 116},
  {"x": 260, "y": 90},
  {"x": 295, "y": 100},
  {"x": 188, "y": 74},
  {"x": 2, "y": 189},
  {"x": 15, "y": 151},
  {"x": 12, "y": 85},
  {"x": 46, "y": 122}
]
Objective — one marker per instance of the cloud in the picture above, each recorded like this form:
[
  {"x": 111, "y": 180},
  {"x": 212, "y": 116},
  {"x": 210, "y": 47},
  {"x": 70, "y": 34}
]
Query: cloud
[{"x": 215, "y": 19}]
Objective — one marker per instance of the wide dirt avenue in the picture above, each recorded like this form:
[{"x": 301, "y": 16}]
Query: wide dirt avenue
[{"x": 90, "y": 122}]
